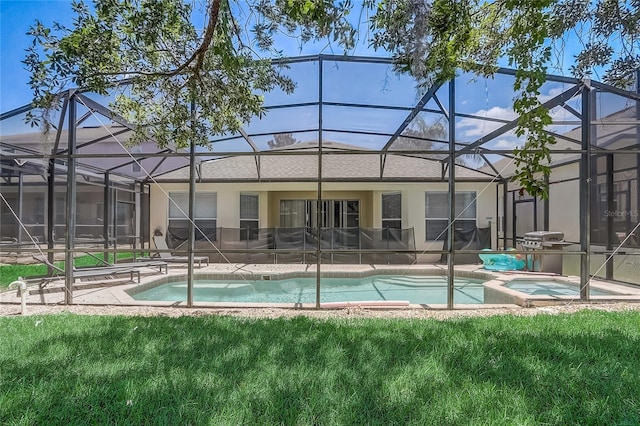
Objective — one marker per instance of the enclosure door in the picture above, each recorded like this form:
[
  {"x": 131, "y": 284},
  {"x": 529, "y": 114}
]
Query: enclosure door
[{"x": 525, "y": 217}]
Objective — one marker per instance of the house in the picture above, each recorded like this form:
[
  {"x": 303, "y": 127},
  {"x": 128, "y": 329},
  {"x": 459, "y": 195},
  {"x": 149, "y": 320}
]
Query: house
[
  {"x": 249, "y": 198},
  {"x": 278, "y": 189}
]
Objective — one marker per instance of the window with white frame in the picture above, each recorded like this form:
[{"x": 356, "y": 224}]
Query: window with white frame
[
  {"x": 249, "y": 216},
  {"x": 437, "y": 213},
  {"x": 205, "y": 215}
]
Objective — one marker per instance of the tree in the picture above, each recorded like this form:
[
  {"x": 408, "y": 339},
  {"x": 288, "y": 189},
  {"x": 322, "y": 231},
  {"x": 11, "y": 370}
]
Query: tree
[
  {"x": 432, "y": 40},
  {"x": 422, "y": 136},
  {"x": 281, "y": 140},
  {"x": 167, "y": 62}
]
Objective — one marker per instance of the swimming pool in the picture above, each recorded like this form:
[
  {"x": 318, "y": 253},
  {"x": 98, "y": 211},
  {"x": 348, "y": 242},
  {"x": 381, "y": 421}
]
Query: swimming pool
[
  {"x": 552, "y": 288},
  {"x": 414, "y": 289}
]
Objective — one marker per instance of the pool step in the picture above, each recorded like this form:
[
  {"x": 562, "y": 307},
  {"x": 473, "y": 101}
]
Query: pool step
[{"x": 417, "y": 280}]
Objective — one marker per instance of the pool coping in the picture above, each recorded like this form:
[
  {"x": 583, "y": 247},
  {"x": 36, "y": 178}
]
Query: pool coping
[
  {"x": 496, "y": 291},
  {"x": 116, "y": 292}
]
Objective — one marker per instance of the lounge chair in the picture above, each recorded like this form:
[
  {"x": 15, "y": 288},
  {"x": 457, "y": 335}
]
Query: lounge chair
[
  {"x": 140, "y": 263},
  {"x": 163, "y": 253},
  {"x": 105, "y": 271}
]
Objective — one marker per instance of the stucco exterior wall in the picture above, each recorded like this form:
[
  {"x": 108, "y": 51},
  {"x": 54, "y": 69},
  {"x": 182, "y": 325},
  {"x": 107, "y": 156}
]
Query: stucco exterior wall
[{"x": 368, "y": 194}]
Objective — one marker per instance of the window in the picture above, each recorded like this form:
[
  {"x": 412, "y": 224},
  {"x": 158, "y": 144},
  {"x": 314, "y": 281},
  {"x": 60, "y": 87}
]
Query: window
[
  {"x": 205, "y": 215},
  {"x": 437, "y": 213},
  {"x": 249, "y": 213},
  {"x": 100, "y": 212},
  {"x": 293, "y": 213},
  {"x": 391, "y": 215},
  {"x": 391, "y": 211}
]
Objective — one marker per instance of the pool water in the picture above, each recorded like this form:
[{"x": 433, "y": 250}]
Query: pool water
[
  {"x": 414, "y": 289},
  {"x": 551, "y": 288}
]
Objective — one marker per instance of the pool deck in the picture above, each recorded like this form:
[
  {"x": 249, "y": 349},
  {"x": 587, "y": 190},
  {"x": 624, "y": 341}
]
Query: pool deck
[{"x": 114, "y": 291}]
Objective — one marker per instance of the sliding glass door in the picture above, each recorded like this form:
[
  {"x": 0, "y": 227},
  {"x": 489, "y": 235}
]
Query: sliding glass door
[{"x": 334, "y": 213}]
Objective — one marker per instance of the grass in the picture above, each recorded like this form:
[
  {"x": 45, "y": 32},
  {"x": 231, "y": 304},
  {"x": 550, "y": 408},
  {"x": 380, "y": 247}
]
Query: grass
[
  {"x": 556, "y": 370},
  {"x": 10, "y": 273}
]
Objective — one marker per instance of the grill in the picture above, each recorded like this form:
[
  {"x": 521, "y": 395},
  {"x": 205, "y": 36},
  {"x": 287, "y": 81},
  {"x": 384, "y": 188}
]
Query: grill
[
  {"x": 543, "y": 239},
  {"x": 539, "y": 241}
]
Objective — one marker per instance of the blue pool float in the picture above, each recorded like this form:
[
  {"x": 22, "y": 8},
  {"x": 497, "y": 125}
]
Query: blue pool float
[{"x": 501, "y": 262}]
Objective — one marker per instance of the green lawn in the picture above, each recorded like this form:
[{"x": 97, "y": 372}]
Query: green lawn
[
  {"x": 564, "y": 369},
  {"x": 10, "y": 273}
]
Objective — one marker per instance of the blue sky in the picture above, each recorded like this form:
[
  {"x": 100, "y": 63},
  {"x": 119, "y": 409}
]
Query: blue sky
[
  {"x": 17, "y": 15},
  {"x": 15, "y": 19},
  {"x": 383, "y": 87}
]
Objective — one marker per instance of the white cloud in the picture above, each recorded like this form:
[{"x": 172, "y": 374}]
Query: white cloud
[
  {"x": 552, "y": 93},
  {"x": 557, "y": 113},
  {"x": 474, "y": 128},
  {"x": 471, "y": 127},
  {"x": 506, "y": 144}
]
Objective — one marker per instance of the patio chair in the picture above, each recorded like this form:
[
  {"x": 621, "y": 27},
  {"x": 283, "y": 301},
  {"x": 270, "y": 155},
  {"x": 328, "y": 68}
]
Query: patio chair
[
  {"x": 140, "y": 262},
  {"x": 163, "y": 254},
  {"x": 106, "y": 271}
]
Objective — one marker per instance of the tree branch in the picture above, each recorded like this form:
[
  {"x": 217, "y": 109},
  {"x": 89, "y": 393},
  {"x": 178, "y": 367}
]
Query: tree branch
[
  {"x": 208, "y": 37},
  {"x": 198, "y": 54}
]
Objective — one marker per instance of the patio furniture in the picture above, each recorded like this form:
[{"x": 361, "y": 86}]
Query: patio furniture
[
  {"x": 105, "y": 271},
  {"x": 141, "y": 262},
  {"x": 164, "y": 254}
]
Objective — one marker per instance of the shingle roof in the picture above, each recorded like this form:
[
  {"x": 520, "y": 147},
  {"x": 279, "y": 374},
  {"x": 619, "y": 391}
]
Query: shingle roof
[{"x": 303, "y": 165}]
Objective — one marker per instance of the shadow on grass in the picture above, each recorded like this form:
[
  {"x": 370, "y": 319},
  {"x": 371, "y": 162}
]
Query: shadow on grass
[{"x": 572, "y": 369}]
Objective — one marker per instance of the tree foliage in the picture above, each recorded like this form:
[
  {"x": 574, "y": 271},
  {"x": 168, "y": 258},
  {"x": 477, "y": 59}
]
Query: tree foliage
[
  {"x": 422, "y": 136},
  {"x": 432, "y": 40},
  {"x": 168, "y": 62},
  {"x": 281, "y": 140}
]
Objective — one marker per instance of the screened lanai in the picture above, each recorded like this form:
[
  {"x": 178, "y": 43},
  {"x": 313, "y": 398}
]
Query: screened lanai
[{"x": 359, "y": 166}]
